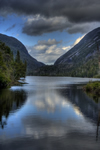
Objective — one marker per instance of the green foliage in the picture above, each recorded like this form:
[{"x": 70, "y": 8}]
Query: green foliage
[
  {"x": 93, "y": 90},
  {"x": 20, "y": 67},
  {"x": 88, "y": 87},
  {"x": 97, "y": 76},
  {"x": 8, "y": 50},
  {"x": 93, "y": 87},
  {"x": 17, "y": 59},
  {"x": 4, "y": 81},
  {"x": 1, "y": 59},
  {"x": 88, "y": 68},
  {"x": 10, "y": 69}
]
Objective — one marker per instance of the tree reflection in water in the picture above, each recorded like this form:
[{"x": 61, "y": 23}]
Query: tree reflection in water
[
  {"x": 96, "y": 98},
  {"x": 10, "y": 101},
  {"x": 88, "y": 103},
  {"x": 98, "y": 121}
]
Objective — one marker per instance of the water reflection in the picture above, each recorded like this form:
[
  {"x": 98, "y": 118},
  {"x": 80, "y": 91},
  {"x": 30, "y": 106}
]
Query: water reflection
[
  {"x": 89, "y": 107},
  {"x": 98, "y": 120},
  {"x": 55, "y": 116},
  {"x": 9, "y": 102},
  {"x": 96, "y": 99},
  {"x": 77, "y": 97},
  {"x": 98, "y": 124}
]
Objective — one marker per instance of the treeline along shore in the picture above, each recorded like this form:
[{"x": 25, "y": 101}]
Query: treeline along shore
[{"x": 11, "y": 69}]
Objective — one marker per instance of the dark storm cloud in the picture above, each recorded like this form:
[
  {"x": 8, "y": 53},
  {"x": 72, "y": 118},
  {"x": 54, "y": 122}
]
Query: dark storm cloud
[
  {"x": 45, "y": 25},
  {"x": 82, "y": 27},
  {"x": 71, "y": 12},
  {"x": 38, "y": 26},
  {"x": 10, "y": 28},
  {"x": 74, "y": 10}
]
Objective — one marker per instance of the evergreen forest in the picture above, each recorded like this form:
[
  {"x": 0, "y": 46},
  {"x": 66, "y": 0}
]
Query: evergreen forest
[{"x": 11, "y": 69}]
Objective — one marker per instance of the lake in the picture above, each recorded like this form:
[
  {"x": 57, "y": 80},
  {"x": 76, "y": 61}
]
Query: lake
[{"x": 49, "y": 113}]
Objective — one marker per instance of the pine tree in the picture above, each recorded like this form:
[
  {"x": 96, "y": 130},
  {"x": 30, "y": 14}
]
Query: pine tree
[
  {"x": 17, "y": 59},
  {"x": 20, "y": 67}
]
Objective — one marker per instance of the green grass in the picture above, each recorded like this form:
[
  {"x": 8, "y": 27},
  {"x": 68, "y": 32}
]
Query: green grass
[{"x": 93, "y": 90}]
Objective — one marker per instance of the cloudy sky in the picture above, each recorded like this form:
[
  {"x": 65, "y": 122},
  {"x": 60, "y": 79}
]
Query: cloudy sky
[{"x": 48, "y": 28}]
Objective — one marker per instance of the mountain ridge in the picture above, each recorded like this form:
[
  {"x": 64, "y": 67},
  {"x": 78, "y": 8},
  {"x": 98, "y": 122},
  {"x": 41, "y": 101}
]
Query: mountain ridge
[
  {"x": 15, "y": 45},
  {"x": 91, "y": 40},
  {"x": 80, "y": 61}
]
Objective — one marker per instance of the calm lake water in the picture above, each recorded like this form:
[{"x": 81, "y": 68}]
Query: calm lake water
[{"x": 49, "y": 113}]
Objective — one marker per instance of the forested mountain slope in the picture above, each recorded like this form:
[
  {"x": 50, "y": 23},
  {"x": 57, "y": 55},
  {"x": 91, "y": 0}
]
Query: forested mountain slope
[{"x": 15, "y": 45}]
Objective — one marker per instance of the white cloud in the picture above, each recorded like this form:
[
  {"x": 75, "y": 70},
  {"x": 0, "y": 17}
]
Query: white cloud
[
  {"x": 46, "y": 51},
  {"x": 66, "y": 48},
  {"x": 40, "y": 47},
  {"x": 51, "y": 49},
  {"x": 33, "y": 18},
  {"x": 78, "y": 40}
]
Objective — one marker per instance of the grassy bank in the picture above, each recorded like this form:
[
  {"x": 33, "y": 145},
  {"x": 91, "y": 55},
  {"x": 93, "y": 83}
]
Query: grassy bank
[{"x": 93, "y": 90}]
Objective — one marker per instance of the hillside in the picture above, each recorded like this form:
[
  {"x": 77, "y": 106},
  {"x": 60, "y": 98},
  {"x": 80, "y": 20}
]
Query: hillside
[
  {"x": 14, "y": 44},
  {"x": 80, "y": 61},
  {"x": 85, "y": 49}
]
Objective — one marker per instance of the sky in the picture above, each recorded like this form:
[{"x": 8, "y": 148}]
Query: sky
[{"x": 48, "y": 28}]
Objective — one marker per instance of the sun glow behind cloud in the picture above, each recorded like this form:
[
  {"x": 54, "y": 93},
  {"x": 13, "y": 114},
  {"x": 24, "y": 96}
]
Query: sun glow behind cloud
[
  {"x": 78, "y": 40},
  {"x": 66, "y": 48}
]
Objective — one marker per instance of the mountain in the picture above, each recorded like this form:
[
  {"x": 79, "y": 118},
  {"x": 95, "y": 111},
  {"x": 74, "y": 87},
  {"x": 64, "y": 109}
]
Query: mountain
[
  {"x": 85, "y": 49},
  {"x": 83, "y": 59},
  {"x": 80, "y": 61},
  {"x": 14, "y": 44}
]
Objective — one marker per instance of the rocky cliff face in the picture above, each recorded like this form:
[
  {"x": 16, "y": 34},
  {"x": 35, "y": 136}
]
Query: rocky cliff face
[
  {"x": 14, "y": 44},
  {"x": 82, "y": 52}
]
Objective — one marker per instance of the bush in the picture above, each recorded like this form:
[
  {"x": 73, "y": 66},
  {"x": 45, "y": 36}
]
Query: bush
[
  {"x": 4, "y": 81},
  {"x": 93, "y": 90}
]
